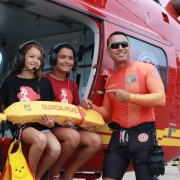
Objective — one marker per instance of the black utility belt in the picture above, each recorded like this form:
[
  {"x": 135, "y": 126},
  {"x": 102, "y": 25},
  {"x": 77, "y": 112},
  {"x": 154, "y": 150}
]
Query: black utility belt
[
  {"x": 140, "y": 127},
  {"x": 124, "y": 132}
]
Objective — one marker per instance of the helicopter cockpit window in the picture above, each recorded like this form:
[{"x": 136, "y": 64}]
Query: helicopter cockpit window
[{"x": 148, "y": 53}]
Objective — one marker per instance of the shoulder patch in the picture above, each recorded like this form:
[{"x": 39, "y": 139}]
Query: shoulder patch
[
  {"x": 131, "y": 79},
  {"x": 155, "y": 74}
]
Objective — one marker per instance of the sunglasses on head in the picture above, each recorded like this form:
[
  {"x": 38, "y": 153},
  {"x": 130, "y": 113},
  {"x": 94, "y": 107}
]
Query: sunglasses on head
[{"x": 115, "y": 45}]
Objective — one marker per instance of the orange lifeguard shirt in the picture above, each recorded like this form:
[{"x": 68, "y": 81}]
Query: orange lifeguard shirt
[{"x": 146, "y": 90}]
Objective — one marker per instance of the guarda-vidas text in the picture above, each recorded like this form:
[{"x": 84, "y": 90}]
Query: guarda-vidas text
[{"x": 60, "y": 108}]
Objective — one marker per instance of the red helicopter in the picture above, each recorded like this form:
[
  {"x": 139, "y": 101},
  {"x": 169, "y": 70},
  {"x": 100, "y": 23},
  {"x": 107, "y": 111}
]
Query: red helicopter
[{"x": 152, "y": 27}]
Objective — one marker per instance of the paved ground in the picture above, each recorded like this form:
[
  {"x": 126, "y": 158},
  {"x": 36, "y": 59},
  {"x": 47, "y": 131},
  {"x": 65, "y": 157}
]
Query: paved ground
[{"x": 171, "y": 173}]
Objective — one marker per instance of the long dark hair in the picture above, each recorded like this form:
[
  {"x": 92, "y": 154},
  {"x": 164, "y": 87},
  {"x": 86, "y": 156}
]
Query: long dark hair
[{"x": 15, "y": 70}]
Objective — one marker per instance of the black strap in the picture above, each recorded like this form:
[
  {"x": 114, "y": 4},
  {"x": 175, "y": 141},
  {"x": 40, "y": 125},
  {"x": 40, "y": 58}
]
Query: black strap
[
  {"x": 3, "y": 129},
  {"x": 114, "y": 125},
  {"x": 18, "y": 132},
  {"x": 140, "y": 127},
  {"x": 143, "y": 126}
]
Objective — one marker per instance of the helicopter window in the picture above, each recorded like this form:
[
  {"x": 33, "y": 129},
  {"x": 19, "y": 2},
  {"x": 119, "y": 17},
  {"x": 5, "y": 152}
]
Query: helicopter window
[{"x": 149, "y": 53}]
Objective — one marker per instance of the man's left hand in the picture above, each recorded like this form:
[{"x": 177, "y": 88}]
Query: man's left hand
[{"x": 120, "y": 95}]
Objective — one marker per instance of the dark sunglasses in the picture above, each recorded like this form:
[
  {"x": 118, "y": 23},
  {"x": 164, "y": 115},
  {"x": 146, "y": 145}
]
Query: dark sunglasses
[{"x": 115, "y": 45}]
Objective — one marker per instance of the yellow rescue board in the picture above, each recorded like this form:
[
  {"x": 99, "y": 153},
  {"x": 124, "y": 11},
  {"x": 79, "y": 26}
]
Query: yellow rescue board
[{"x": 31, "y": 111}]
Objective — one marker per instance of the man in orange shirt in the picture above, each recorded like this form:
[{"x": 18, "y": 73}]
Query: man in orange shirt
[{"x": 132, "y": 92}]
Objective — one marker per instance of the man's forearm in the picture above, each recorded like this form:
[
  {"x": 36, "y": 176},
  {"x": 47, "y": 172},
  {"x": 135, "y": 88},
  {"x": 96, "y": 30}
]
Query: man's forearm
[{"x": 149, "y": 100}]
